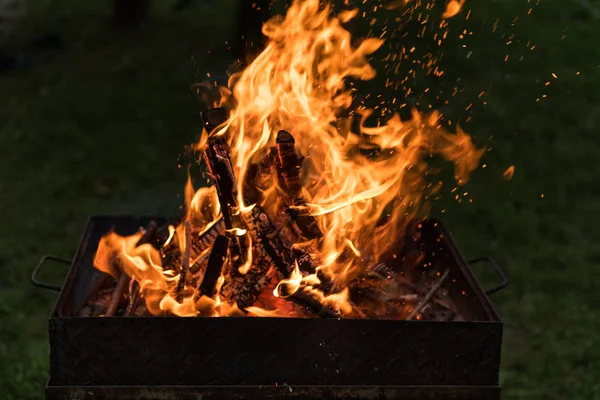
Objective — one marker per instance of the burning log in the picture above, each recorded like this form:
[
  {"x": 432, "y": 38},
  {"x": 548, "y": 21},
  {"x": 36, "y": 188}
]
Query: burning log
[
  {"x": 308, "y": 266},
  {"x": 308, "y": 302},
  {"x": 288, "y": 165},
  {"x": 149, "y": 234},
  {"x": 265, "y": 168},
  {"x": 206, "y": 239},
  {"x": 220, "y": 168},
  {"x": 171, "y": 254},
  {"x": 117, "y": 295},
  {"x": 259, "y": 178},
  {"x": 97, "y": 304},
  {"x": 134, "y": 295},
  {"x": 245, "y": 289},
  {"x": 267, "y": 236},
  {"x": 213, "y": 117},
  {"x": 305, "y": 225},
  {"x": 185, "y": 262},
  {"x": 288, "y": 175},
  {"x": 214, "y": 268}
]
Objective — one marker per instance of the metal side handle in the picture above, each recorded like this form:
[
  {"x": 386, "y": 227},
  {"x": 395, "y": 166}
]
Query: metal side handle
[
  {"x": 34, "y": 280},
  {"x": 499, "y": 270}
]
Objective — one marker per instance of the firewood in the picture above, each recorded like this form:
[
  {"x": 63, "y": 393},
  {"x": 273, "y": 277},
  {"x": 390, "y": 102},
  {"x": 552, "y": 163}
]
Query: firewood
[
  {"x": 308, "y": 267},
  {"x": 171, "y": 254},
  {"x": 206, "y": 239},
  {"x": 288, "y": 176},
  {"x": 267, "y": 236},
  {"x": 132, "y": 298},
  {"x": 117, "y": 295},
  {"x": 429, "y": 295},
  {"x": 220, "y": 169},
  {"x": 244, "y": 290},
  {"x": 288, "y": 165},
  {"x": 308, "y": 302},
  {"x": 251, "y": 194},
  {"x": 213, "y": 117},
  {"x": 214, "y": 268},
  {"x": 149, "y": 234},
  {"x": 185, "y": 262},
  {"x": 304, "y": 224}
]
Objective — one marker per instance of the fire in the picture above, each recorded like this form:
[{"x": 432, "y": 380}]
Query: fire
[
  {"x": 361, "y": 204},
  {"x": 452, "y": 8}
]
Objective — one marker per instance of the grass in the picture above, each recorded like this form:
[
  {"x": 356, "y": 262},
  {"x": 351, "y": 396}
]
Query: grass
[{"x": 99, "y": 127}]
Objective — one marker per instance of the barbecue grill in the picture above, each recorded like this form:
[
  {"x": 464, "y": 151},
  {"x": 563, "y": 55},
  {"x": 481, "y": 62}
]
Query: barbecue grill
[{"x": 275, "y": 358}]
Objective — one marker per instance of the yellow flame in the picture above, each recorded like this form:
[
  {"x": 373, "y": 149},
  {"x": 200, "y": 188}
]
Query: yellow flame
[
  {"x": 292, "y": 284},
  {"x": 261, "y": 312}
]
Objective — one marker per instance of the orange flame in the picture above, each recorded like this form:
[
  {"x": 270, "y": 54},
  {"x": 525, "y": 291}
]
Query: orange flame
[
  {"x": 452, "y": 8},
  {"x": 362, "y": 205}
]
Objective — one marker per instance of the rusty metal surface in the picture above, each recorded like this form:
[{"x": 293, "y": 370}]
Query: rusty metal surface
[
  {"x": 283, "y": 392},
  {"x": 266, "y": 351}
]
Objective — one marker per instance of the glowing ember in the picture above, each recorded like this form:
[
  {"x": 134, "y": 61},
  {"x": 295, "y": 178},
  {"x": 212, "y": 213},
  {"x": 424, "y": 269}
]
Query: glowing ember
[
  {"x": 307, "y": 234},
  {"x": 452, "y": 8}
]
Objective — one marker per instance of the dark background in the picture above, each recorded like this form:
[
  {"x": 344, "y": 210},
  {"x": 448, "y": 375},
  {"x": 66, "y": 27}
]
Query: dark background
[{"x": 94, "y": 119}]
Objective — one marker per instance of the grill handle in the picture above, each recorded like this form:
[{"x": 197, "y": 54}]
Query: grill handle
[
  {"x": 34, "y": 280},
  {"x": 494, "y": 264}
]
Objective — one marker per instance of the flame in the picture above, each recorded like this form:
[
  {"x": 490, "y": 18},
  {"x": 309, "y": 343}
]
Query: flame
[
  {"x": 288, "y": 287},
  {"x": 298, "y": 83},
  {"x": 508, "y": 174},
  {"x": 362, "y": 204},
  {"x": 452, "y": 8}
]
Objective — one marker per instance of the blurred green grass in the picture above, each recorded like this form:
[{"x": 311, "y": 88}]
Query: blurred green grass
[{"x": 99, "y": 127}]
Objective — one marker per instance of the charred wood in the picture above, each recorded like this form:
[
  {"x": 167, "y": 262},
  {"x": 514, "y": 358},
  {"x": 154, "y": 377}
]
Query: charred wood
[
  {"x": 214, "y": 268},
  {"x": 162, "y": 234},
  {"x": 304, "y": 224},
  {"x": 251, "y": 194},
  {"x": 117, "y": 295},
  {"x": 308, "y": 302},
  {"x": 288, "y": 176},
  {"x": 267, "y": 236},
  {"x": 307, "y": 265},
  {"x": 97, "y": 304},
  {"x": 132, "y": 298},
  {"x": 206, "y": 239},
  {"x": 220, "y": 169},
  {"x": 245, "y": 289},
  {"x": 149, "y": 233},
  {"x": 185, "y": 262},
  {"x": 429, "y": 295},
  {"x": 213, "y": 117},
  {"x": 171, "y": 254},
  {"x": 288, "y": 165}
]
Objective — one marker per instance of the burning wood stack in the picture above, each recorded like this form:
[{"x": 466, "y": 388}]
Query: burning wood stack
[{"x": 249, "y": 258}]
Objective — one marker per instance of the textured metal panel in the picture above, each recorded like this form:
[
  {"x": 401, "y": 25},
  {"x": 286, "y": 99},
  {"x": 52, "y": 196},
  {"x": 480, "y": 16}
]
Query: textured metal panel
[
  {"x": 259, "y": 351},
  {"x": 284, "y": 392}
]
